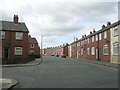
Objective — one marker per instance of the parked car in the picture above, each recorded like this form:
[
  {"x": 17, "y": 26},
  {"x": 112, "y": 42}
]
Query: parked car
[
  {"x": 63, "y": 56},
  {"x": 57, "y": 55},
  {"x": 52, "y": 55}
]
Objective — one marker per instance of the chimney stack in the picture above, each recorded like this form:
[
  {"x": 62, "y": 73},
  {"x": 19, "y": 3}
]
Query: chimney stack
[
  {"x": 15, "y": 19},
  {"x": 90, "y": 32},
  {"x": 94, "y": 30},
  {"x": 108, "y": 23},
  {"x": 103, "y": 26}
]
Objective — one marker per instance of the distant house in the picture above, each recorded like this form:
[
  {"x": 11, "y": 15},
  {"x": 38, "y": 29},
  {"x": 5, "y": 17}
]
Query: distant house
[
  {"x": 14, "y": 36},
  {"x": 33, "y": 46}
]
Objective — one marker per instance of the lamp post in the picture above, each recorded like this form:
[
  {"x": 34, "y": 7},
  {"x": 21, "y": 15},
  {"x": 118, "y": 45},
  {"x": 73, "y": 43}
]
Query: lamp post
[{"x": 41, "y": 46}]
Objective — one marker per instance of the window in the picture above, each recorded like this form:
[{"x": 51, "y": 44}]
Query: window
[
  {"x": 88, "y": 40},
  {"x": 2, "y": 34},
  {"x": 100, "y": 36},
  {"x": 18, "y": 50},
  {"x": 19, "y": 35},
  {"x": 32, "y": 45},
  {"x": 105, "y": 34},
  {"x": 93, "y": 51},
  {"x": 81, "y": 51},
  {"x": 105, "y": 49},
  {"x": 78, "y": 44},
  {"x": 116, "y": 48},
  {"x": 92, "y": 38},
  {"x": 97, "y": 37},
  {"x": 116, "y": 32},
  {"x": 88, "y": 51}
]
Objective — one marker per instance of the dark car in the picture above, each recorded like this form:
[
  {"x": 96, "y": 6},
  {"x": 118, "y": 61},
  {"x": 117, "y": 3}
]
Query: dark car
[
  {"x": 57, "y": 55},
  {"x": 52, "y": 55}
]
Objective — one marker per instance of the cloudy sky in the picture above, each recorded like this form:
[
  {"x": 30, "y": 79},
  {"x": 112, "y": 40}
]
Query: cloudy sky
[{"x": 59, "y": 21}]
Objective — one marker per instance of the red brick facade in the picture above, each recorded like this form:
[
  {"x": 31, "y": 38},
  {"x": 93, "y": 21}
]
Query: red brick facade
[
  {"x": 33, "y": 46},
  {"x": 15, "y": 41},
  {"x": 9, "y": 44}
]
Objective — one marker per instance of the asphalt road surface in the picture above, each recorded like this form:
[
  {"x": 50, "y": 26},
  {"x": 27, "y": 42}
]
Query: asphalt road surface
[{"x": 56, "y": 72}]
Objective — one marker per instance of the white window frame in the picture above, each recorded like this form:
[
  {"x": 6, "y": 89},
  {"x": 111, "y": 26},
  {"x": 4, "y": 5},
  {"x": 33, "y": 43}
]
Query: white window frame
[
  {"x": 18, "y": 50},
  {"x": 115, "y": 34},
  {"x": 2, "y": 34},
  {"x": 93, "y": 51},
  {"x": 105, "y": 47},
  {"x": 88, "y": 40},
  {"x": 116, "y": 48},
  {"x": 19, "y": 35},
  {"x": 93, "y": 38},
  {"x": 32, "y": 45},
  {"x": 96, "y": 37},
  {"x": 88, "y": 51},
  {"x": 105, "y": 34},
  {"x": 100, "y": 36}
]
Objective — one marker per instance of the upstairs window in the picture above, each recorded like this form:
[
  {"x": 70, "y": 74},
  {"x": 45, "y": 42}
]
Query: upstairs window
[
  {"x": 105, "y": 34},
  {"x": 100, "y": 36},
  {"x": 88, "y": 40},
  {"x": 115, "y": 32},
  {"x": 19, "y": 35},
  {"x": 2, "y": 34},
  {"x": 97, "y": 37},
  {"x": 92, "y": 38}
]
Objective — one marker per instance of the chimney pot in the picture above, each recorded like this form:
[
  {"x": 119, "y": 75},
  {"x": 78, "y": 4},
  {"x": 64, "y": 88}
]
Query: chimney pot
[
  {"x": 94, "y": 30},
  {"x": 15, "y": 19},
  {"x": 108, "y": 23},
  {"x": 90, "y": 32},
  {"x": 103, "y": 26}
]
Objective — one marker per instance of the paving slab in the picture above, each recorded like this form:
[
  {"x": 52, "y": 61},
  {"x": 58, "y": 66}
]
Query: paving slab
[{"x": 7, "y": 83}]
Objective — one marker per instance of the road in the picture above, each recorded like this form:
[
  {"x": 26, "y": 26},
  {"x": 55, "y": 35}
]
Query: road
[{"x": 56, "y": 72}]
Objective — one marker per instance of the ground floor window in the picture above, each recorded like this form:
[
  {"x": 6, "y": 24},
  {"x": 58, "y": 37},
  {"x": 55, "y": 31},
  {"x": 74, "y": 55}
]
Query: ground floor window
[
  {"x": 116, "y": 48},
  {"x": 18, "y": 50},
  {"x": 105, "y": 49},
  {"x": 88, "y": 51},
  {"x": 81, "y": 51}
]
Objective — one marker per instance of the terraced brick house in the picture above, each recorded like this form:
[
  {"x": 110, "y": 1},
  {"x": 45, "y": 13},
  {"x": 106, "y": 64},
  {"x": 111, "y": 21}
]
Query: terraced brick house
[
  {"x": 34, "y": 48},
  {"x": 14, "y": 36}
]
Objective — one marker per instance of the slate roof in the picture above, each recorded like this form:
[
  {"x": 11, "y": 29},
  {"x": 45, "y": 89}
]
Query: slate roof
[
  {"x": 32, "y": 40},
  {"x": 10, "y": 26},
  {"x": 99, "y": 31}
]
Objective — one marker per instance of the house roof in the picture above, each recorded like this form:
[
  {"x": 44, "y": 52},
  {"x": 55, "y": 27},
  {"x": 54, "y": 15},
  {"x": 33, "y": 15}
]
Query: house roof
[
  {"x": 99, "y": 31},
  {"x": 10, "y": 26},
  {"x": 33, "y": 40}
]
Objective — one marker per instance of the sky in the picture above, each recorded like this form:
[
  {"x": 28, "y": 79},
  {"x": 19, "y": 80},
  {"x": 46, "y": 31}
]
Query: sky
[{"x": 59, "y": 21}]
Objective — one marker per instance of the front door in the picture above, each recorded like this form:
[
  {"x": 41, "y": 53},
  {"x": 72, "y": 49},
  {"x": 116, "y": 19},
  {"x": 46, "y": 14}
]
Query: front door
[
  {"x": 6, "y": 55},
  {"x": 96, "y": 53}
]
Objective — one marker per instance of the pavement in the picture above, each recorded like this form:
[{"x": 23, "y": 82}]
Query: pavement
[
  {"x": 31, "y": 63},
  {"x": 8, "y": 83},
  {"x": 114, "y": 65}
]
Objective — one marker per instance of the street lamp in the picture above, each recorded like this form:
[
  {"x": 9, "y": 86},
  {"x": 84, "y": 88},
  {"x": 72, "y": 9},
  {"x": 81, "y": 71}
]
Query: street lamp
[{"x": 41, "y": 46}]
